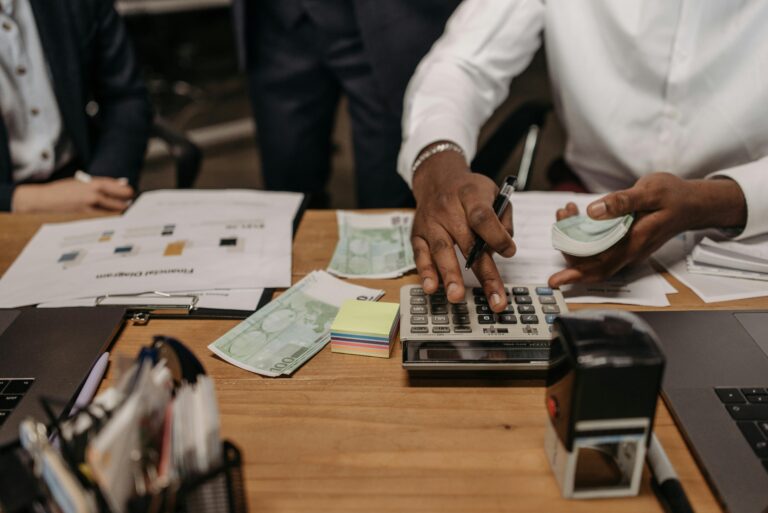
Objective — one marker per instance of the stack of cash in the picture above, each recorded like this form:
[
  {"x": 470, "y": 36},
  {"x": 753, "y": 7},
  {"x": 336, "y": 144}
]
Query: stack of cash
[
  {"x": 373, "y": 245},
  {"x": 583, "y": 236},
  {"x": 282, "y": 336}
]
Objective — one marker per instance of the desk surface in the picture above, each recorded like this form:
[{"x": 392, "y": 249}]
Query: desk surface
[{"x": 352, "y": 434}]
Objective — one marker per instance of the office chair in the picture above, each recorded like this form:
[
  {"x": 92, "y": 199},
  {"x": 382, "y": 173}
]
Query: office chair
[{"x": 526, "y": 122}]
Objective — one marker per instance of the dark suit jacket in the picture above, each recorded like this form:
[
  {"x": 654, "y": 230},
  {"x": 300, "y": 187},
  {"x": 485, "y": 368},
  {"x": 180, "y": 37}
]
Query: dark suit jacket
[
  {"x": 90, "y": 59},
  {"x": 396, "y": 34}
]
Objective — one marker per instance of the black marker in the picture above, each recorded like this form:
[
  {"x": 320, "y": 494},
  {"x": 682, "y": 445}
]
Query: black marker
[
  {"x": 499, "y": 206},
  {"x": 665, "y": 479}
]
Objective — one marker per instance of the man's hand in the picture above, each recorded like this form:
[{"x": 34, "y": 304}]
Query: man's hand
[
  {"x": 101, "y": 194},
  {"x": 452, "y": 205},
  {"x": 664, "y": 206}
]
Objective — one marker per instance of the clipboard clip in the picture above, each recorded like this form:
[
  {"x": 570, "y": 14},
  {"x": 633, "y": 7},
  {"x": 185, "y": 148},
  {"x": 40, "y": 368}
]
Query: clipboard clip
[{"x": 141, "y": 306}]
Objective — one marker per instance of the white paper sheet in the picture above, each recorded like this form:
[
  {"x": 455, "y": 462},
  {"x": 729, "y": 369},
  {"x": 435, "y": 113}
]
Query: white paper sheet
[
  {"x": 536, "y": 260},
  {"x": 122, "y": 256},
  {"x": 709, "y": 288}
]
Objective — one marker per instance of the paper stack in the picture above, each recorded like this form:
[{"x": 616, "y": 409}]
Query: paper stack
[
  {"x": 743, "y": 259},
  {"x": 365, "y": 328}
]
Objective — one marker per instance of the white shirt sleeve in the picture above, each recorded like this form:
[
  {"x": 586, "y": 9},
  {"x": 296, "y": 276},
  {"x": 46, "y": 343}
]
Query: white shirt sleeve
[
  {"x": 752, "y": 177},
  {"x": 466, "y": 74}
]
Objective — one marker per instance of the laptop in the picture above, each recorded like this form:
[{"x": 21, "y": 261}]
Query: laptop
[
  {"x": 48, "y": 353},
  {"x": 716, "y": 386}
]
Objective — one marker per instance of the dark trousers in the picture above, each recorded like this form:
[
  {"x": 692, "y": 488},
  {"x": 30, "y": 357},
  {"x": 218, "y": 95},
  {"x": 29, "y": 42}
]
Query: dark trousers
[{"x": 295, "y": 90}]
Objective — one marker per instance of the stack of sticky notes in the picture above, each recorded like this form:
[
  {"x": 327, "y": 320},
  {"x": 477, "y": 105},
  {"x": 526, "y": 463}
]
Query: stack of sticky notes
[{"x": 365, "y": 327}]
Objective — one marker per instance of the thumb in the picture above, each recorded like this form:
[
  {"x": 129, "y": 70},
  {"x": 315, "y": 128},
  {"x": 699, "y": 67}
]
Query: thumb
[{"x": 618, "y": 204}]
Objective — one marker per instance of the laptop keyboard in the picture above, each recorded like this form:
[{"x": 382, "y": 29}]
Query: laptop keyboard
[
  {"x": 749, "y": 408},
  {"x": 11, "y": 393}
]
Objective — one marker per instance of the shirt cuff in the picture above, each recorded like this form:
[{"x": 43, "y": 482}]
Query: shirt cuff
[
  {"x": 438, "y": 128},
  {"x": 753, "y": 180}
]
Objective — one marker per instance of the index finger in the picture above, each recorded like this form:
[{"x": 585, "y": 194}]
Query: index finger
[{"x": 113, "y": 187}]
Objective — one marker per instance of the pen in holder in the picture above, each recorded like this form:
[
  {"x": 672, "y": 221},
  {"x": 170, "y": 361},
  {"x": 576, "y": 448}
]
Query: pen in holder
[{"x": 602, "y": 388}]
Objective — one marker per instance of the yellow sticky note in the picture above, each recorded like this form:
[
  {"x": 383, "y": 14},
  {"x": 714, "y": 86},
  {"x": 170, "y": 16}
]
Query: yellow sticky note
[{"x": 366, "y": 318}]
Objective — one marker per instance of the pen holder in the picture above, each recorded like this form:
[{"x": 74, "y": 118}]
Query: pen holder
[{"x": 602, "y": 388}]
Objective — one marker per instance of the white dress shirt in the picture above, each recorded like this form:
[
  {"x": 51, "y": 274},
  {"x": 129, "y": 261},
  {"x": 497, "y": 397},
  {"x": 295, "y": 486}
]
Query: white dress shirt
[
  {"x": 27, "y": 102},
  {"x": 640, "y": 86}
]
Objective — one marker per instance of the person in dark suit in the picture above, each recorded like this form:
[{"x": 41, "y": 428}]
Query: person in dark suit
[
  {"x": 301, "y": 55},
  {"x": 71, "y": 98}
]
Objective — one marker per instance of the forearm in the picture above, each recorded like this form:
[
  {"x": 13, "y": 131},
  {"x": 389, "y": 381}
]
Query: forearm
[{"x": 717, "y": 203}]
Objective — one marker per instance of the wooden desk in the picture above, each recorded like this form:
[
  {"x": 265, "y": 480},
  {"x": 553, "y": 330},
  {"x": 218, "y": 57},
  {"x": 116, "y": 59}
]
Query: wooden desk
[{"x": 352, "y": 434}]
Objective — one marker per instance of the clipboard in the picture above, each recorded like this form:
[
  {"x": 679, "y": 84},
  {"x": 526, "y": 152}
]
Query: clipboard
[{"x": 170, "y": 305}]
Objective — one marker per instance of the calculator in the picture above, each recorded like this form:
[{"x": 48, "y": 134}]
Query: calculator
[{"x": 468, "y": 336}]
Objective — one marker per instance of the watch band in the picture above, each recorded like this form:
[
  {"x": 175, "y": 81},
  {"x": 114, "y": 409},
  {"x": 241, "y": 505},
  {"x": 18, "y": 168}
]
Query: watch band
[{"x": 434, "y": 150}]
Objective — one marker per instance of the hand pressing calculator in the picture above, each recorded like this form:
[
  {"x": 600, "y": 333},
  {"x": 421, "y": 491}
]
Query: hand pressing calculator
[{"x": 469, "y": 336}]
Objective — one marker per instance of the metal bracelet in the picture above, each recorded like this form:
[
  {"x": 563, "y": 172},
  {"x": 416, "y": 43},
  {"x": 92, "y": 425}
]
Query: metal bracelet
[{"x": 434, "y": 150}]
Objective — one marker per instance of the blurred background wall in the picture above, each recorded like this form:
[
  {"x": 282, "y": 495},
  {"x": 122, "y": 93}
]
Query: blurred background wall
[{"x": 188, "y": 52}]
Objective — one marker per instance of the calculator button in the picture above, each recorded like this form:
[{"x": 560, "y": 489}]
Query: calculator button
[
  {"x": 745, "y": 391},
  {"x": 550, "y": 318},
  {"x": 3, "y": 382},
  {"x": 483, "y": 309},
  {"x": 543, "y": 291},
  {"x": 523, "y": 300},
  {"x": 529, "y": 319},
  {"x": 763, "y": 427},
  {"x": 439, "y": 309},
  {"x": 751, "y": 398},
  {"x": 3, "y": 415},
  {"x": 418, "y": 300},
  {"x": 419, "y": 310},
  {"x": 9, "y": 402},
  {"x": 485, "y": 319},
  {"x": 520, "y": 291},
  {"x": 462, "y": 329},
  {"x": 507, "y": 319},
  {"x": 416, "y": 291},
  {"x": 730, "y": 396},
  {"x": 418, "y": 319},
  {"x": 419, "y": 329},
  {"x": 526, "y": 309},
  {"x": 460, "y": 309},
  {"x": 436, "y": 299},
  {"x": 547, "y": 300},
  {"x": 441, "y": 329},
  {"x": 509, "y": 309},
  {"x": 550, "y": 309},
  {"x": 461, "y": 319},
  {"x": 18, "y": 386},
  {"x": 478, "y": 291},
  {"x": 439, "y": 319},
  {"x": 481, "y": 300}
]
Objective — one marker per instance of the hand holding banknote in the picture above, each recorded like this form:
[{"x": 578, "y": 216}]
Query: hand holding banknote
[{"x": 664, "y": 205}]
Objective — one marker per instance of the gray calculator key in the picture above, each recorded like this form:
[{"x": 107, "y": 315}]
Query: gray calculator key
[
  {"x": 418, "y": 300},
  {"x": 529, "y": 319},
  {"x": 439, "y": 319},
  {"x": 436, "y": 299},
  {"x": 544, "y": 291},
  {"x": 418, "y": 310},
  {"x": 550, "y": 309},
  {"x": 419, "y": 329},
  {"x": 441, "y": 329},
  {"x": 526, "y": 309},
  {"x": 417, "y": 292},
  {"x": 461, "y": 319},
  {"x": 439, "y": 309},
  {"x": 547, "y": 300},
  {"x": 418, "y": 319},
  {"x": 485, "y": 319},
  {"x": 523, "y": 300},
  {"x": 460, "y": 309},
  {"x": 507, "y": 319},
  {"x": 462, "y": 329},
  {"x": 550, "y": 318},
  {"x": 509, "y": 309},
  {"x": 520, "y": 291},
  {"x": 483, "y": 309}
]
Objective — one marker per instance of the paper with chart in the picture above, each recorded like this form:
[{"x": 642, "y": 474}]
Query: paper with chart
[
  {"x": 118, "y": 255},
  {"x": 373, "y": 245},
  {"x": 710, "y": 288},
  {"x": 536, "y": 260},
  {"x": 215, "y": 205},
  {"x": 282, "y": 336}
]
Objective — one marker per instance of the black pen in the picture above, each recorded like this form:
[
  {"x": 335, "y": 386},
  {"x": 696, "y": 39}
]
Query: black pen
[
  {"x": 499, "y": 206},
  {"x": 665, "y": 479}
]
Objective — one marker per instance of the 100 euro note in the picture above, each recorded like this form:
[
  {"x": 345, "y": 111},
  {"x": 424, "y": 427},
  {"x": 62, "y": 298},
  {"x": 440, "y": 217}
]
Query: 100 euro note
[
  {"x": 282, "y": 336},
  {"x": 373, "y": 245}
]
